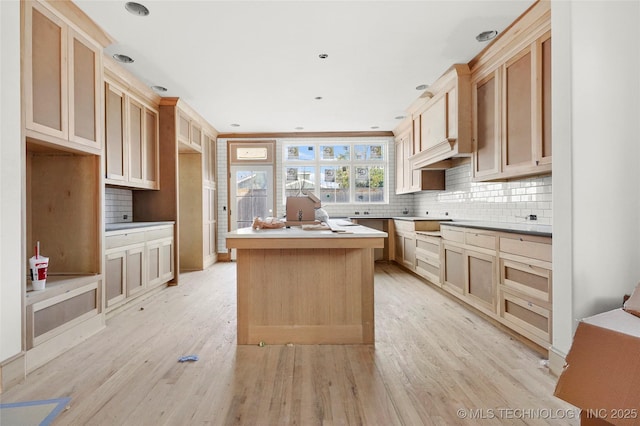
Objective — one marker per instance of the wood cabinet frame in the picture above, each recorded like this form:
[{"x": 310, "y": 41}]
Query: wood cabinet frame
[
  {"x": 137, "y": 146},
  {"x": 410, "y": 179},
  {"x": 528, "y": 38},
  {"x": 77, "y": 112},
  {"x": 521, "y": 277}
]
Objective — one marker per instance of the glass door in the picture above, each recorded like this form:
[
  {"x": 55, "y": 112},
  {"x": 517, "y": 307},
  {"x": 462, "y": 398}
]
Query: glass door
[{"x": 252, "y": 196}]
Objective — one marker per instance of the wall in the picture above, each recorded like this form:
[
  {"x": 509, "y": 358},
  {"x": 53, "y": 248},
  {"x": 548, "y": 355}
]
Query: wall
[
  {"x": 12, "y": 265},
  {"x": 462, "y": 199},
  {"x": 490, "y": 201},
  {"x": 596, "y": 129},
  {"x": 118, "y": 203}
]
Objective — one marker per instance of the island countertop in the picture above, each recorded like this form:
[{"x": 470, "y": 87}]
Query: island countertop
[
  {"x": 337, "y": 233},
  {"x": 305, "y": 286}
]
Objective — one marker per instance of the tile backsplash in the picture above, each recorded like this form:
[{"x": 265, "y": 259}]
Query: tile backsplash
[
  {"x": 464, "y": 199},
  {"x": 118, "y": 205}
]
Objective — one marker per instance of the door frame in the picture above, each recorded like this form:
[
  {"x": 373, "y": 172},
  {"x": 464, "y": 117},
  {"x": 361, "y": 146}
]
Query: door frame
[{"x": 235, "y": 157}]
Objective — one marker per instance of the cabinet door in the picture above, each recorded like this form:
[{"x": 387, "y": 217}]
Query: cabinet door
[
  {"x": 399, "y": 248},
  {"x": 46, "y": 73},
  {"x": 400, "y": 162},
  {"x": 453, "y": 270},
  {"x": 434, "y": 123},
  {"x": 136, "y": 141},
  {"x": 135, "y": 270},
  {"x": 84, "y": 91},
  {"x": 409, "y": 251},
  {"x": 486, "y": 158},
  {"x": 517, "y": 148},
  {"x": 151, "y": 149},
  {"x": 116, "y": 149},
  {"x": 160, "y": 262},
  {"x": 407, "y": 149},
  {"x": 196, "y": 136},
  {"x": 482, "y": 280},
  {"x": 115, "y": 273},
  {"x": 417, "y": 141},
  {"x": 184, "y": 128},
  {"x": 543, "y": 69}
]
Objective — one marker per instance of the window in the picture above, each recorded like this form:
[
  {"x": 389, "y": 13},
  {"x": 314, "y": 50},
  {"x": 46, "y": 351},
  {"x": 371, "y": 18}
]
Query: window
[{"x": 337, "y": 172}]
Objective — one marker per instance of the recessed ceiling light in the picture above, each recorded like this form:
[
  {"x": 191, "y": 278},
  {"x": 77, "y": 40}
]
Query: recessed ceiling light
[
  {"x": 159, "y": 89},
  {"x": 317, "y": 98},
  {"x": 235, "y": 125},
  {"x": 122, "y": 58},
  {"x": 400, "y": 117},
  {"x": 323, "y": 56},
  {"x": 136, "y": 8},
  {"x": 487, "y": 35},
  {"x": 422, "y": 87}
]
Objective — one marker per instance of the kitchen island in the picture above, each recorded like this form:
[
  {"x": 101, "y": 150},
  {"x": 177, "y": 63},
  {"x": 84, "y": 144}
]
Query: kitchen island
[{"x": 305, "y": 286}]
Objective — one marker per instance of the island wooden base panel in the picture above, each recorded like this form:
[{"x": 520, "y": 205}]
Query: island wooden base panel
[
  {"x": 305, "y": 296},
  {"x": 432, "y": 357},
  {"x": 305, "y": 334}
]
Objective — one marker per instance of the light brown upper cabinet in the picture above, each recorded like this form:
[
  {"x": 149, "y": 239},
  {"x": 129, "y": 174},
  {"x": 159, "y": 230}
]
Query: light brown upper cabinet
[
  {"x": 62, "y": 72},
  {"x": 131, "y": 131},
  {"x": 511, "y": 101},
  {"x": 410, "y": 179},
  {"x": 189, "y": 132},
  {"x": 442, "y": 122}
]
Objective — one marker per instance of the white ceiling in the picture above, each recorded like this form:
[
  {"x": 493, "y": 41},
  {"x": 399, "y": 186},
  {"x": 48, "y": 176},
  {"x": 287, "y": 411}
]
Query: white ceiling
[{"x": 256, "y": 64}]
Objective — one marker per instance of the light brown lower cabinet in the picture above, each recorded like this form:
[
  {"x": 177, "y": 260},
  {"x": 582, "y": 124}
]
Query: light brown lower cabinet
[
  {"x": 506, "y": 275},
  {"x": 136, "y": 261},
  {"x": 67, "y": 312},
  {"x": 428, "y": 256}
]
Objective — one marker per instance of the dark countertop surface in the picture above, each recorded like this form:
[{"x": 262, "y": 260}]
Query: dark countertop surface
[
  {"x": 520, "y": 228},
  {"x": 133, "y": 225},
  {"x": 409, "y": 218}
]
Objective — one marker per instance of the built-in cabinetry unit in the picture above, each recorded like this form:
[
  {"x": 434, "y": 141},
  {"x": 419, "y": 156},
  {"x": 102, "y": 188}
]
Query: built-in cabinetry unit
[
  {"x": 137, "y": 260},
  {"x": 428, "y": 246},
  {"x": 62, "y": 105},
  {"x": 442, "y": 120},
  {"x": 408, "y": 179},
  {"x": 505, "y": 275},
  {"x": 187, "y": 191},
  {"x": 511, "y": 100},
  {"x": 405, "y": 240},
  {"x": 131, "y": 130},
  {"x": 470, "y": 266},
  {"x": 62, "y": 75}
]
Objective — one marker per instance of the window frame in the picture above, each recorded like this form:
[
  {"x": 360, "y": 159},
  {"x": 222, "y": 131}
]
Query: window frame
[{"x": 317, "y": 163}]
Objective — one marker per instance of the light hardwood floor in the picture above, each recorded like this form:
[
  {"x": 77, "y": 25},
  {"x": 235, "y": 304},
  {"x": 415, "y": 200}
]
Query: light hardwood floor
[{"x": 432, "y": 358}]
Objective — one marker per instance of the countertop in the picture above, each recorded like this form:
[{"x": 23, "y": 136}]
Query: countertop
[
  {"x": 351, "y": 231},
  {"x": 133, "y": 225},
  {"x": 408, "y": 218},
  {"x": 520, "y": 228}
]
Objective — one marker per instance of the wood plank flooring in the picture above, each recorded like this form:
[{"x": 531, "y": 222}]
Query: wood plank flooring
[{"x": 432, "y": 358}]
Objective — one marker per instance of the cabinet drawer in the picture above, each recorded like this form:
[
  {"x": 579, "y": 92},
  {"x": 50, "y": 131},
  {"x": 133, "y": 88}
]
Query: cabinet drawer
[
  {"x": 428, "y": 270},
  {"x": 450, "y": 234},
  {"x": 531, "y": 280},
  {"x": 479, "y": 239},
  {"x": 404, "y": 225},
  {"x": 158, "y": 234},
  {"x": 527, "y": 316},
  {"x": 50, "y": 317},
  {"x": 122, "y": 240},
  {"x": 527, "y": 246},
  {"x": 429, "y": 246}
]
